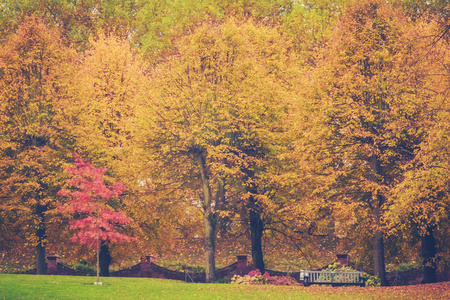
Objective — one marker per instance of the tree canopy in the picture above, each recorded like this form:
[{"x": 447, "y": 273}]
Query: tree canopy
[{"x": 288, "y": 130}]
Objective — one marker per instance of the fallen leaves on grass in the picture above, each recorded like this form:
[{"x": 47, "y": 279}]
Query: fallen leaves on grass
[{"x": 439, "y": 290}]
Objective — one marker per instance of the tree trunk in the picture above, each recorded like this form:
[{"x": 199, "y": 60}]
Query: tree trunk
[
  {"x": 378, "y": 244},
  {"x": 256, "y": 226},
  {"x": 40, "y": 258},
  {"x": 104, "y": 259},
  {"x": 210, "y": 247},
  {"x": 429, "y": 257},
  {"x": 256, "y": 229},
  {"x": 41, "y": 266},
  {"x": 210, "y": 222},
  {"x": 378, "y": 257}
]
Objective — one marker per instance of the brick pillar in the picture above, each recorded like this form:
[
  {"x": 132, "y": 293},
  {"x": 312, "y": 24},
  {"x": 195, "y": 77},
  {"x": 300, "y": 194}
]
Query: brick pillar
[
  {"x": 343, "y": 259},
  {"x": 52, "y": 265},
  {"x": 241, "y": 266},
  {"x": 146, "y": 265}
]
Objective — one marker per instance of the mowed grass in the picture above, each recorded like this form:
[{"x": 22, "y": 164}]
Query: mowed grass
[{"x": 74, "y": 287}]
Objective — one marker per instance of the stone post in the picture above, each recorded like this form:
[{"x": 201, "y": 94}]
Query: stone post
[
  {"x": 241, "y": 266},
  {"x": 241, "y": 261},
  {"x": 52, "y": 265},
  {"x": 343, "y": 259},
  {"x": 146, "y": 266}
]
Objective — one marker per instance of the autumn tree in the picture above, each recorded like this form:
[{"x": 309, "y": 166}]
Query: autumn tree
[
  {"x": 368, "y": 91},
  {"x": 91, "y": 200},
  {"x": 420, "y": 202},
  {"x": 214, "y": 112},
  {"x": 34, "y": 136},
  {"x": 109, "y": 82}
]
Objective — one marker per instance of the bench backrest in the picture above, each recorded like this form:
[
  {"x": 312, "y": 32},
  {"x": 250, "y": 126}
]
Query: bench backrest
[{"x": 332, "y": 276}]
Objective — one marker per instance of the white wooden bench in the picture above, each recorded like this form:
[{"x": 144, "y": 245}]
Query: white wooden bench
[{"x": 334, "y": 278}]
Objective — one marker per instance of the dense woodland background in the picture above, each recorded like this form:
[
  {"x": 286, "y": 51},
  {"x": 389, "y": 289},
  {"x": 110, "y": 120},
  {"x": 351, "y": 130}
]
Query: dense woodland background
[{"x": 287, "y": 130}]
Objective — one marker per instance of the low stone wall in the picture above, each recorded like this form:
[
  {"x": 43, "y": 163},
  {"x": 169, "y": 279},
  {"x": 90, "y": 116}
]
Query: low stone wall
[
  {"x": 147, "y": 268},
  {"x": 415, "y": 276},
  {"x": 240, "y": 267},
  {"x": 54, "y": 267},
  {"x": 130, "y": 272}
]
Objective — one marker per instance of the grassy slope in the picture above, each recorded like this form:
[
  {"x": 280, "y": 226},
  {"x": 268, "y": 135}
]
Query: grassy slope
[{"x": 67, "y": 287}]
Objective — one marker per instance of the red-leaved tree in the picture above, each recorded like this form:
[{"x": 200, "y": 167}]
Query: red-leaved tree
[{"x": 89, "y": 198}]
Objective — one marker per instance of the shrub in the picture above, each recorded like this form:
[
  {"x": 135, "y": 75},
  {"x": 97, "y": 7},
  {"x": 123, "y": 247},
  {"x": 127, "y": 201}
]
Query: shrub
[
  {"x": 371, "y": 280},
  {"x": 223, "y": 280},
  {"x": 408, "y": 267},
  {"x": 338, "y": 267},
  {"x": 84, "y": 267},
  {"x": 255, "y": 277},
  {"x": 193, "y": 269}
]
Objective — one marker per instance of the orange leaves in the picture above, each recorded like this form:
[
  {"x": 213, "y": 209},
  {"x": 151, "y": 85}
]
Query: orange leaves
[
  {"x": 362, "y": 131},
  {"x": 364, "y": 97},
  {"x": 423, "y": 291},
  {"x": 109, "y": 81},
  {"x": 217, "y": 97},
  {"x": 377, "y": 89},
  {"x": 371, "y": 96},
  {"x": 35, "y": 67},
  {"x": 215, "y": 112}
]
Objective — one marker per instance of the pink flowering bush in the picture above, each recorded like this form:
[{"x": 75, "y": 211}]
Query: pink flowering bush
[{"x": 255, "y": 277}]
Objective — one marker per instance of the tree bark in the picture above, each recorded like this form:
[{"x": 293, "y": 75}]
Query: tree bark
[
  {"x": 256, "y": 226},
  {"x": 378, "y": 243},
  {"x": 210, "y": 221},
  {"x": 378, "y": 257},
  {"x": 104, "y": 259},
  {"x": 256, "y": 230},
  {"x": 41, "y": 266},
  {"x": 429, "y": 257},
  {"x": 210, "y": 247}
]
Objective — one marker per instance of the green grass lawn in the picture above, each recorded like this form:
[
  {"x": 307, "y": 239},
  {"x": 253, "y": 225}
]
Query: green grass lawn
[{"x": 73, "y": 287}]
